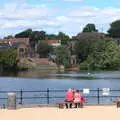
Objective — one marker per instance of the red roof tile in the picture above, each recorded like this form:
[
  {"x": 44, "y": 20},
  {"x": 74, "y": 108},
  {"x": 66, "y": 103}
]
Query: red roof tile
[{"x": 49, "y": 41}]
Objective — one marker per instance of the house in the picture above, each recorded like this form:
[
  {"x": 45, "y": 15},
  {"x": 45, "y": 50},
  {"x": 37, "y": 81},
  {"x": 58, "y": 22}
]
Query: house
[
  {"x": 54, "y": 43},
  {"x": 21, "y": 44}
]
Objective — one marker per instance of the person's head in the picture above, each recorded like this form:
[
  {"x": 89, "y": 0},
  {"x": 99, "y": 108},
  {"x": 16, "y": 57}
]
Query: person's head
[
  {"x": 69, "y": 90},
  {"x": 77, "y": 91},
  {"x": 74, "y": 91}
]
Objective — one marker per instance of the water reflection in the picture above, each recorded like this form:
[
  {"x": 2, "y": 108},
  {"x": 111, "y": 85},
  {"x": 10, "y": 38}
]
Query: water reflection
[{"x": 53, "y": 74}]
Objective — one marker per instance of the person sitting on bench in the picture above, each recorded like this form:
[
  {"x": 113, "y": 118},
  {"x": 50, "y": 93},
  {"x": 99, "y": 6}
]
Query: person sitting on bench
[
  {"x": 69, "y": 98},
  {"x": 77, "y": 99}
]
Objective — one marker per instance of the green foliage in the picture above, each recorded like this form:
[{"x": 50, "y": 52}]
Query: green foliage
[
  {"x": 83, "y": 48},
  {"x": 44, "y": 49},
  {"x": 63, "y": 37},
  {"x": 35, "y": 36},
  {"x": 90, "y": 28},
  {"x": 8, "y": 37},
  {"x": 114, "y": 30},
  {"x": 62, "y": 56},
  {"x": 8, "y": 58},
  {"x": 26, "y": 64},
  {"x": 25, "y": 34},
  {"x": 84, "y": 65},
  {"x": 106, "y": 55},
  {"x": 98, "y": 54},
  {"x": 51, "y": 36}
]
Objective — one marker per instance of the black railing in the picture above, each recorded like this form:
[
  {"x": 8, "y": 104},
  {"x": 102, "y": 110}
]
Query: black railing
[{"x": 50, "y": 96}]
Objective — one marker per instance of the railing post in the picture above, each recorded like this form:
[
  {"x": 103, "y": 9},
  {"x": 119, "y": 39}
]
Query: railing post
[
  {"x": 48, "y": 95},
  {"x": 98, "y": 95},
  {"x": 21, "y": 97},
  {"x": 11, "y": 100}
]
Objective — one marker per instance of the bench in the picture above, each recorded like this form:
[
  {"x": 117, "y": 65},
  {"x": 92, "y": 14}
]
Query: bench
[{"x": 62, "y": 104}]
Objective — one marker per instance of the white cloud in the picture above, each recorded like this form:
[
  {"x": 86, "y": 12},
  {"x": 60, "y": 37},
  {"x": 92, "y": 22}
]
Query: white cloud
[
  {"x": 14, "y": 11},
  {"x": 75, "y": 19},
  {"x": 17, "y": 17}
]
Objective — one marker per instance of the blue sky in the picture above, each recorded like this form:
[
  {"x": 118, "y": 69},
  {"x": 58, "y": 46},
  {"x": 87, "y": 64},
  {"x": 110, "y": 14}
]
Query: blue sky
[
  {"x": 70, "y": 3},
  {"x": 53, "y": 16}
]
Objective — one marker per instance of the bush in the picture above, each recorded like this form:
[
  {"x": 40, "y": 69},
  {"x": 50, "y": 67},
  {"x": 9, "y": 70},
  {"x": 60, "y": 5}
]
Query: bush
[
  {"x": 84, "y": 65},
  {"x": 26, "y": 64}
]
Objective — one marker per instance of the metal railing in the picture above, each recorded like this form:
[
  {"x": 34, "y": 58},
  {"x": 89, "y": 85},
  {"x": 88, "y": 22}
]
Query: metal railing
[{"x": 51, "y": 96}]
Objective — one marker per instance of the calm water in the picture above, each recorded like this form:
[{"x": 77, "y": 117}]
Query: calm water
[
  {"x": 41, "y": 80},
  {"x": 33, "y": 80}
]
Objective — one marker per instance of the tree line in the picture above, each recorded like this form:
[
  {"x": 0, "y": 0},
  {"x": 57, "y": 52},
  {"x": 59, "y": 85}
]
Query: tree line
[
  {"x": 92, "y": 49},
  {"x": 99, "y": 53},
  {"x": 36, "y": 36}
]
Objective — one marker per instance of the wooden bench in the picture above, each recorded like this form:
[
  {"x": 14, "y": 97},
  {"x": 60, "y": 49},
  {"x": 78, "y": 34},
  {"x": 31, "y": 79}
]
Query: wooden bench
[{"x": 62, "y": 104}]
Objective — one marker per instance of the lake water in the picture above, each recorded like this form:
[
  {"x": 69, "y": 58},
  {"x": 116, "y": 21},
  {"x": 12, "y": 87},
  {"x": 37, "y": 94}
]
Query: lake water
[
  {"x": 41, "y": 80},
  {"x": 35, "y": 81}
]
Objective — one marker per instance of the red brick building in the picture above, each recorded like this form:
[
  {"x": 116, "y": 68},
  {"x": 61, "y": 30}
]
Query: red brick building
[
  {"x": 21, "y": 44},
  {"x": 51, "y": 42}
]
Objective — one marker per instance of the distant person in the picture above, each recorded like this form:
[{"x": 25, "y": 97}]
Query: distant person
[
  {"x": 69, "y": 98},
  {"x": 77, "y": 99}
]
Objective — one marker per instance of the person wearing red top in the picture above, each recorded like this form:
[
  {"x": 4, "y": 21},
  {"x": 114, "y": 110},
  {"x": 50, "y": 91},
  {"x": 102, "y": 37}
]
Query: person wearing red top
[
  {"x": 77, "y": 99},
  {"x": 69, "y": 98}
]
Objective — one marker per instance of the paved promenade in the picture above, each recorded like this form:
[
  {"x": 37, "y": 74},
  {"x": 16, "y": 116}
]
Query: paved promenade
[{"x": 53, "y": 113}]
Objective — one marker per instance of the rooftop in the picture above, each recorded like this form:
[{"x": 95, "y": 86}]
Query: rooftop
[{"x": 50, "y": 41}]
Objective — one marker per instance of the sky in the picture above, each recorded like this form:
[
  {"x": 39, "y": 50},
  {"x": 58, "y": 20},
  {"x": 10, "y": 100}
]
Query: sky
[{"x": 53, "y": 16}]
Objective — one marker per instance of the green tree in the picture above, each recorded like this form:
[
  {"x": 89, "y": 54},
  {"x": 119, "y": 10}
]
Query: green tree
[
  {"x": 51, "y": 37},
  {"x": 106, "y": 55},
  {"x": 63, "y": 37},
  {"x": 44, "y": 50},
  {"x": 114, "y": 30},
  {"x": 84, "y": 44},
  {"x": 8, "y": 37},
  {"x": 8, "y": 58},
  {"x": 36, "y": 36},
  {"x": 83, "y": 48},
  {"x": 90, "y": 28},
  {"x": 24, "y": 34},
  {"x": 41, "y": 35},
  {"x": 62, "y": 56}
]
